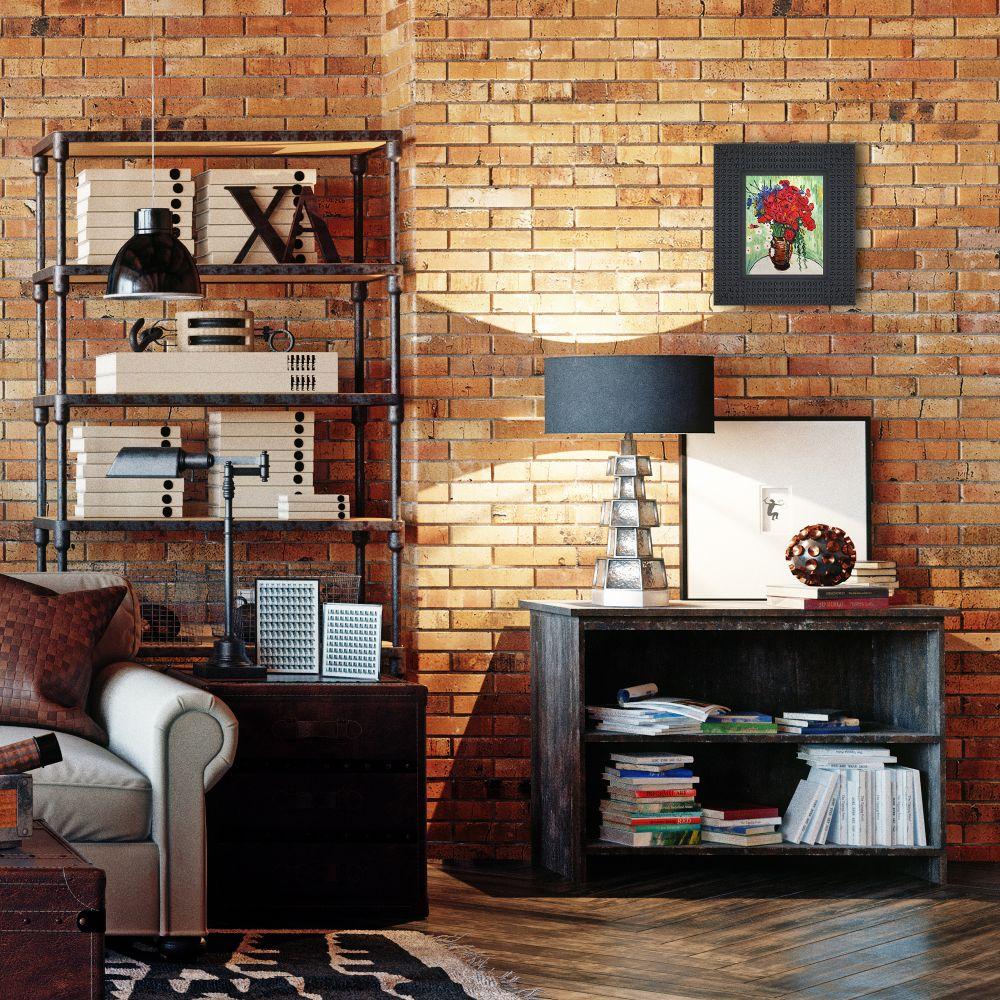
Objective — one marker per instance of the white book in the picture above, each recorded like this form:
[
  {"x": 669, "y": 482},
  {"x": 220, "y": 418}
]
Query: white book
[
  {"x": 101, "y": 485},
  {"x": 853, "y": 779},
  {"x": 222, "y": 383},
  {"x": 900, "y": 834},
  {"x": 263, "y": 175},
  {"x": 857, "y": 765},
  {"x": 827, "y": 782},
  {"x": 135, "y": 191},
  {"x": 129, "y": 513},
  {"x": 799, "y": 812},
  {"x": 157, "y": 363},
  {"x": 838, "y": 825},
  {"x": 159, "y": 432},
  {"x": 837, "y": 750},
  {"x": 870, "y": 790},
  {"x": 224, "y": 418},
  {"x": 909, "y": 831},
  {"x": 94, "y": 204},
  {"x": 824, "y": 830},
  {"x": 654, "y": 760},
  {"x": 132, "y": 173},
  {"x": 289, "y": 443},
  {"x": 919, "y": 825},
  {"x": 883, "y": 808}
]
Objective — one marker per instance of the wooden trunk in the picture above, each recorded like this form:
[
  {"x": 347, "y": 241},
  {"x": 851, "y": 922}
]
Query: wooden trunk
[{"x": 51, "y": 922}]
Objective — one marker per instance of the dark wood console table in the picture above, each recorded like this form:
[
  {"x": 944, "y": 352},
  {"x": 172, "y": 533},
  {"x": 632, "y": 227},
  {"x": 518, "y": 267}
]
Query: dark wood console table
[{"x": 884, "y": 665}]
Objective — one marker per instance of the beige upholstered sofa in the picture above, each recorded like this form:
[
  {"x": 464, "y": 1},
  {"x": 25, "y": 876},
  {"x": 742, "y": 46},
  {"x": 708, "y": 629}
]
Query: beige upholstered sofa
[{"x": 136, "y": 808}]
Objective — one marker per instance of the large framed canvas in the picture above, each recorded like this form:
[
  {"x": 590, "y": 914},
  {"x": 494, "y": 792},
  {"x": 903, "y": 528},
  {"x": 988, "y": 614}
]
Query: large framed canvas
[
  {"x": 785, "y": 224},
  {"x": 748, "y": 487}
]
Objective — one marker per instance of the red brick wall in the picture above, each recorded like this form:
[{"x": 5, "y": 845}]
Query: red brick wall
[
  {"x": 561, "y": 168},
  {"x": 557, "y": 191}
]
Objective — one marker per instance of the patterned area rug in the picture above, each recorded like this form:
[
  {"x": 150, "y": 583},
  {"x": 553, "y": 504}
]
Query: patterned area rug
[{"x": 342, "y": 965}]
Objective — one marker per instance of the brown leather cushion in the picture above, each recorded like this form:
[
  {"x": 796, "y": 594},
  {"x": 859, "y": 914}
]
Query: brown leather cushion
[{"x": 47, "y": 643}]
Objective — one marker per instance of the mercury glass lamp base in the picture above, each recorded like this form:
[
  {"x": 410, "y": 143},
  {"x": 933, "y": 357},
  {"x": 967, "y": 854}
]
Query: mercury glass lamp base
[{"x": 630, "y": 598}]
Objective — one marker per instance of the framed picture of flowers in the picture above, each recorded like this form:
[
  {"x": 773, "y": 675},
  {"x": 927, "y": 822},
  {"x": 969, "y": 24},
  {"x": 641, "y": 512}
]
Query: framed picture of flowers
[{"x": 785, "y": 224}]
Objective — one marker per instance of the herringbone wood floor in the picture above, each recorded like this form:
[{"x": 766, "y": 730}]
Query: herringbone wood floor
[{"x": 730, "y": 933}]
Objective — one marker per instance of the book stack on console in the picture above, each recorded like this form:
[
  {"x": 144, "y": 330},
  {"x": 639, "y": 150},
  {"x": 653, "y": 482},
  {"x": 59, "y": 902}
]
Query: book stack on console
[
  {"x": 874, "y": 573},
  {"x": 651, "y": 716},
  {"x": 734, "y": 723},
  {"x": 651, "y": 801},
  {"x": 222, "y": 228},
  {"x": 818, "y": 722},
  {"x": 842, "y": 597},
  {"x": 854, "y": 797},
  {"x": 106, "y": 202},
  {"x": 218, "y": 372},
  {"x": 97, "y": 497},
  {"x": 741, "y": 825}
]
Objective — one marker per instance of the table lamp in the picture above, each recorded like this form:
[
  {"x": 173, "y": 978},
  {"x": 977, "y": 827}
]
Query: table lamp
[
  {"x": 229, "y": 657},
  {"x": 608, "y": 394}
]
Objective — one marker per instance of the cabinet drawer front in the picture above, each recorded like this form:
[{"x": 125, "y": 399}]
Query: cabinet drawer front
[
  {"x": 337, "y": 803},
  {"x": 352, "y": 728},
  {"x": 334, "y": 875}
]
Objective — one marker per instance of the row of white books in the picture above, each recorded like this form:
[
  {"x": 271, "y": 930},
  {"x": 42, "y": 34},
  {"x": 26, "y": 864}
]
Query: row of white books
[
  {"x": 652, "y": 716},
  {"x": 855, "y": 797}
]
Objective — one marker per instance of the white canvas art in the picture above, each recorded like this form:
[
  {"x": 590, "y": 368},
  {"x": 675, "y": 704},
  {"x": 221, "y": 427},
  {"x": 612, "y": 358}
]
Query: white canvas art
[{"x": 752, "y": 484}]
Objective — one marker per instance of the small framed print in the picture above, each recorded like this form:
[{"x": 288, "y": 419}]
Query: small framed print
[
  {"x": 785, "y": 224},
  {"x": 750, "y": 486}
]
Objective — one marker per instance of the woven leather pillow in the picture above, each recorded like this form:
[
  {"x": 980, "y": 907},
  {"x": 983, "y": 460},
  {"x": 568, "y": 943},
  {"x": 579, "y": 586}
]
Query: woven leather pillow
[{"x": 47, "y": 643}]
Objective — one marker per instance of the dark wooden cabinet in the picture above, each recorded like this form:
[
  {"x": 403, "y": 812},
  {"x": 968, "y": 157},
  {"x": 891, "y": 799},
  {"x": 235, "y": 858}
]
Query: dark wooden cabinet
[
  {"x": 321, "y": 821},
  {"x": 886, "y": 666}
]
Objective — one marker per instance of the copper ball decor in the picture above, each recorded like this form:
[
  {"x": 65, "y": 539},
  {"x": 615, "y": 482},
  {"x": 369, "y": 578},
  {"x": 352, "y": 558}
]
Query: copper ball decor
[{"x": 821, "y": 556}]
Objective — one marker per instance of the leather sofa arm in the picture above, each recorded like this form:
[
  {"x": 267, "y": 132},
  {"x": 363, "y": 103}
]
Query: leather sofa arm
[{"x": 183, "y": 739}]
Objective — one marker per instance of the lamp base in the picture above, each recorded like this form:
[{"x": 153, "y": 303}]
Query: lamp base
[
  {"x": 630, "y": 598},
  {"x": 229, "y": 660}
]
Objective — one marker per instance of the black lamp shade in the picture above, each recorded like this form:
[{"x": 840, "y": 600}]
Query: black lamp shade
[
  {"x": 641, "y": 394},
  {"x": 153, "y": 264}
]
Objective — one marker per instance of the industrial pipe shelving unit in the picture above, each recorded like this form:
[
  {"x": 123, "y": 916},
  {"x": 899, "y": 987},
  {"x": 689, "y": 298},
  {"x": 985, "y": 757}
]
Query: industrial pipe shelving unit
[{"x": 55, "y": 280}]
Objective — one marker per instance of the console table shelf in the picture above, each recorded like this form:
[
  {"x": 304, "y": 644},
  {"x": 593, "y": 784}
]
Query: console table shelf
[
  {"x": 337, "y": 274},
  {"x": 885, "y": 666}
]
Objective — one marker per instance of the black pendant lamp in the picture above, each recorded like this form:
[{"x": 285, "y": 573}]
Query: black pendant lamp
[{"x": 153, "y": 264}]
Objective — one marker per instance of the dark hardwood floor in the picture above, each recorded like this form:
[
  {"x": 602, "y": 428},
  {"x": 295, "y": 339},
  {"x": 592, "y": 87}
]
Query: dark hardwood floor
[{"x": 723, "y": 931}]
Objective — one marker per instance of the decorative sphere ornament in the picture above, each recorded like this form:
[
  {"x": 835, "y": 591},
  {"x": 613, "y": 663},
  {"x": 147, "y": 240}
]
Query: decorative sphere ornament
[{"x": 821, "y": 556}]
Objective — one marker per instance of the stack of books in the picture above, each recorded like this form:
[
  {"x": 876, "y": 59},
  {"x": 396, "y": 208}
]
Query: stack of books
[
  {"x": 739, "y": 722},
  {"x": 222, "y": 228},
  {"x": 854, "y": 797},
  {"x": 741, "y": 824},
  {"x": 96, "y": 496},
  {"x": 653, "y": 716},
  {"x": 106, "y": 202},
  {"x": 220, "y": 371},
  {"x": 651, "y": 801},
  {"x": 874, "y": 573},
  {"x": 818, "y": 722},
  {"x": 844, "y": 596}
]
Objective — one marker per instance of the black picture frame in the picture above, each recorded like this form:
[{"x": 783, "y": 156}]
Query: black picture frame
[
  {"x": 685, "y": 544},
  {"x": 835, "y": 162}
]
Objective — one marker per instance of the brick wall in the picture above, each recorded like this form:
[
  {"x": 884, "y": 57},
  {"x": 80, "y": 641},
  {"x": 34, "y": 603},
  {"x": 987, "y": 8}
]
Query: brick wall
[
  {"x": 557, "y": 191},
  {"x": 561, "y": 166}
]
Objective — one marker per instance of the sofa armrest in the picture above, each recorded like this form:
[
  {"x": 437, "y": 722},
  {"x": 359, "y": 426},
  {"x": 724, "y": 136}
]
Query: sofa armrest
[{"x": 183, "y": 739}]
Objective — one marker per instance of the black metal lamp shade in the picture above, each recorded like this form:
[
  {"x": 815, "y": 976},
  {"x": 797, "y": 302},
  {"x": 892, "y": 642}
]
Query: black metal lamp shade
[
  {"x": 153, "y": 264},
  {"x": 156, "y": 463},
  {"x": 641, "y": 394}
]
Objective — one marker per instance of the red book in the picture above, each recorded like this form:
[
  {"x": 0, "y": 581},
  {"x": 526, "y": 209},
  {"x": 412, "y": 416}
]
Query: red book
[
  {"x": 829, "y": 603},
  {"x": 664, "y": 819},
  {"x": 741, "y": 810},
  {"x": 664, "y": 793}
]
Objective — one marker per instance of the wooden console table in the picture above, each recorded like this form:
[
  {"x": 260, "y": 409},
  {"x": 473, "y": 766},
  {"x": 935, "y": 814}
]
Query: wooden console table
[{"x": 884, "y": 665}]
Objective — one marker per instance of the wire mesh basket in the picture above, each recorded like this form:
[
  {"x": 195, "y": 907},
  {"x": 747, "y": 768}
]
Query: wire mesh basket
[{"x": 185, "y": 607}]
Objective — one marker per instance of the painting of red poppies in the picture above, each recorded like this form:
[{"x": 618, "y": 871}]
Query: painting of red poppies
[{"x": 784, "y": 225}]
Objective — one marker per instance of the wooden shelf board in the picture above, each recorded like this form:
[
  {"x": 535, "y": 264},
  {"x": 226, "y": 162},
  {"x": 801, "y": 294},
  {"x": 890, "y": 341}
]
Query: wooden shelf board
[
  {"x": 240, "y": 399},
  {"x": 872, "y": 736},
  {"x": 216, "y": 143},
  {"x": 195, "y": 650},
  {"x": 601, "y": 847},
  {"x": 215, "y": 523},
  {"x": 313, "y": 274}
]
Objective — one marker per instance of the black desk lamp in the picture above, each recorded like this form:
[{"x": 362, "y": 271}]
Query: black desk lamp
[
  {"x": 229, "y": 655},
  {"x": 608, "y": 394}
]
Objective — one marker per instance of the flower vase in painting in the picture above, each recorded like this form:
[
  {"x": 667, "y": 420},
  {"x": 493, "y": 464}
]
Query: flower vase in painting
[{"x": 784, "y": 225}]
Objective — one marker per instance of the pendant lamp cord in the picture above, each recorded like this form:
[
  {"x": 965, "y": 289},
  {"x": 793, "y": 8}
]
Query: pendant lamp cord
[{"x": 152, "y": 108}]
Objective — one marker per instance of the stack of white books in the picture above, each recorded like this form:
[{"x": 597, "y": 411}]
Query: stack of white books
[
  {"x": 106, "y": 202},
  {"x": 95, "y": 496},
  {"x": 854, "y": 797},
  {"x": 220, "y": 372},
  {"x": 875, "y": 573},
  {"x": 302, "y": 505},
  {"x": 289, "y": 440},
  {"x": 222, "y": 227},
  {"x": 653, "y": 716}
]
